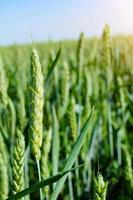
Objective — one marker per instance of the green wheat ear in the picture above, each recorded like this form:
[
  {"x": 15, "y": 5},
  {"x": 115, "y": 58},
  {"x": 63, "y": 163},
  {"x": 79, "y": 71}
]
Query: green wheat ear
[
  {"x": 36, "y": 105},
  {"x": 80, "y": 55},
  {"x": 99, "y": 188},
  {"x": 65, "y": 85},
  {"x": 21, "y": 109},
  {"x": 72, "y": 119},
  {"x": 106, "y": 46},
  {"x": 18, "y": 163},
  {"x": 3, "y": 85},
  {"x": 127, "y": 168},
  {"x": 4, "y": 150},
  {"x": 4, "y": 189}
]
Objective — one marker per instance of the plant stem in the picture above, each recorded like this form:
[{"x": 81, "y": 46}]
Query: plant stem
[
  {"x": 39, "y": 176},
  {"x": 27, "y": 170},
  {"x": 70, "y": 187}
]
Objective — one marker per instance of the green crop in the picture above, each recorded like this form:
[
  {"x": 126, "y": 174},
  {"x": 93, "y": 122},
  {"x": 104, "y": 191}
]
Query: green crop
[{"x": 61, "y": 107}]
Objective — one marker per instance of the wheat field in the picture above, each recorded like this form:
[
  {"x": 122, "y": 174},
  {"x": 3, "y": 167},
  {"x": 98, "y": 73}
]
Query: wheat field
[{"x": 66, "y": 119}]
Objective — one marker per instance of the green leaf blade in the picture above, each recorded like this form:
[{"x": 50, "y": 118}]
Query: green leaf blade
[
  {"x": 41, "y": 184},
  {"x": 71, "y": 159},
  {"x": 52, "y": 67}
]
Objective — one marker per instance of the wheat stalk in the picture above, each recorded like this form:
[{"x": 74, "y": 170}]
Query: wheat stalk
[{"x": 46, "y": 145}]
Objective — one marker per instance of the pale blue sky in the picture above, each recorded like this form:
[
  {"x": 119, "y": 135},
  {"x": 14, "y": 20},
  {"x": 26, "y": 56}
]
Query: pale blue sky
[{"x": 62, "y": 19}]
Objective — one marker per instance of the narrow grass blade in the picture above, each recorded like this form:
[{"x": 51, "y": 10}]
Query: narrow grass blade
[
  {"x": 52, "y": 68},
  {"x": 40, "y": 184},
  {"x": 110, "y": 130},
  {"x": 72, "y": 157},
  {"x": 55, "y": 142}
]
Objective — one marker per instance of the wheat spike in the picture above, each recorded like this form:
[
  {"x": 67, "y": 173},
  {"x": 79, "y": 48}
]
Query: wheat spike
[
  {"x": 99, "y": 188},
  {"x": 127, "y": 170},
  {"x": 3, "y": 85},
  {"x": 72, "y": 119},
  {"x": 4, "y": 189},
  {"x": 21, "y": 109},
  {"x": 80, "y": 56},
  {"x": 65, "y": 85},
  {"x": 106, "y": 47},
  {"x": 3, "y": 150},
  {"x": 18, "y": 163},
  {"x": 36, "y": 105}
]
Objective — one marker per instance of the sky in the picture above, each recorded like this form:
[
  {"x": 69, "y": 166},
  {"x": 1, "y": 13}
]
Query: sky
[{"x": 22, "y": 21}]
